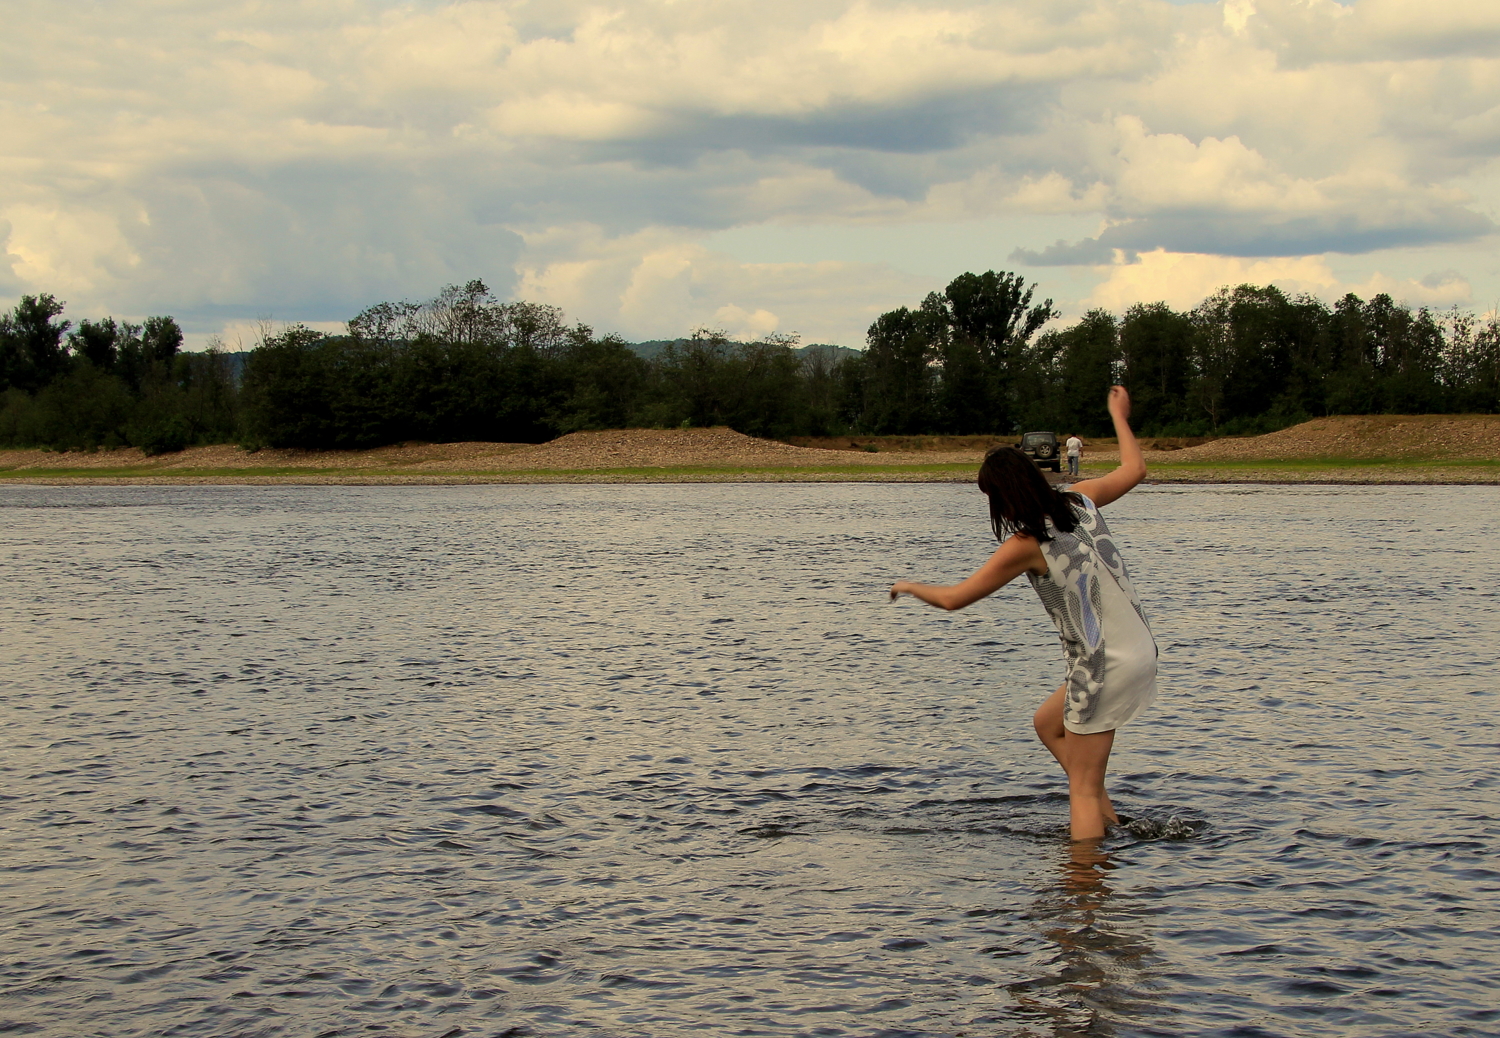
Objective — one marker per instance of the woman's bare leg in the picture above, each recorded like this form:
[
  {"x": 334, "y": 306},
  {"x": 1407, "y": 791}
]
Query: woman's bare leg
[
  {"x": 1084, "y": 758},
  {"x": 1089, "y": 809}
]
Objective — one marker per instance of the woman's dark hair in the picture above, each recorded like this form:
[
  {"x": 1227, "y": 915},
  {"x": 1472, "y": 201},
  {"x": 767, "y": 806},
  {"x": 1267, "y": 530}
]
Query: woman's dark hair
[{"x": 1021, "y": 499}]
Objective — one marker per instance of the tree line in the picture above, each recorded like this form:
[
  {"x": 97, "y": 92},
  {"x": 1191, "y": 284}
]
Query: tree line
[
  {"x": 467, "y": 366},
  {"x": 1245, "y": 360},
  {"x": 108, "y": 384},
  {"x": 976, "y": 358}
]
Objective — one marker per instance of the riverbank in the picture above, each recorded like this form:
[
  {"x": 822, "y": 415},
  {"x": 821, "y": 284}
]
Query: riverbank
[{"x": 1380, "y": 449}]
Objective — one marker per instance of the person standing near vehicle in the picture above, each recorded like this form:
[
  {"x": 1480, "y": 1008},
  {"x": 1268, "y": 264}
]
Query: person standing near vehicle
[{"x": 1075, "y": 452}]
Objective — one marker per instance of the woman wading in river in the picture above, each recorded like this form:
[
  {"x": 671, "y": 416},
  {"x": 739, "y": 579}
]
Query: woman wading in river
[{"x": 1059, "y": 540}]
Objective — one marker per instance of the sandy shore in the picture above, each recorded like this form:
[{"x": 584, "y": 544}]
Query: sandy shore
[{"x": 1360, "y": 450}]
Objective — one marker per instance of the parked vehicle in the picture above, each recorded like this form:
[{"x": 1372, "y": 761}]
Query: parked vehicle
[{"x": 1042, "y": 448}]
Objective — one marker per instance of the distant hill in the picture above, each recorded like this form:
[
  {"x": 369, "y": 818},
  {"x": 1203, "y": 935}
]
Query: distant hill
[
  {"x": 237, "y": 364},
  {"x": 829, "y": 352},
  {"x": 653, "y": 347},
  {"x": 649, "y": 350}
]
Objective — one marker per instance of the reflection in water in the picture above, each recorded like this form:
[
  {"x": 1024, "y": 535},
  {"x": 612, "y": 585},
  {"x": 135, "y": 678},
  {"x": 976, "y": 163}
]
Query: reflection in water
[{"x": 1100, "y": 976}]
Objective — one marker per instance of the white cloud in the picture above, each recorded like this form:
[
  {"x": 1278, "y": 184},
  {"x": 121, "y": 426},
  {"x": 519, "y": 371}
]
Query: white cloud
[
  {"x": 223, "y": 160},
  {"x": 660, "y": 284},
  {"x": 1183, "y": 280},
  {"x": 740, "y": 324},
  {"x": 1237, "y": 15},
  {"x": 238, "y": 335},
  {"x": 1323, "y": 30},
  {"x": 73, "y": 251},
  {"x": 796, "y": 60},
  {"x": 1168, "y": 171},
  {"x": 1164, "y": 190}
]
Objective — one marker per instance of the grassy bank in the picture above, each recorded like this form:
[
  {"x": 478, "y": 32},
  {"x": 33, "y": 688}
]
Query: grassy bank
[
  {"x": 145, "y": 474},
  {"x": 1326, "y": 470},
  {"x": 1322, "y": 470}
]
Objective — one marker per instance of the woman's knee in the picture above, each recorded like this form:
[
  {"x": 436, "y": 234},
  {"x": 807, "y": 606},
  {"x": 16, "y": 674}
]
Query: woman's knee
[
  {"x": 1048, "y": 726},
  {"x": 1048, "y": 719}
]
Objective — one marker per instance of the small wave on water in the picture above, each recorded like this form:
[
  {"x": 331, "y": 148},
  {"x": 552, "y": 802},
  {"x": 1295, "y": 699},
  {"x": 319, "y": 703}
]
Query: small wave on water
[
  {"x": 626, "y": 761},
  {"x": 1172, "y": 828}
]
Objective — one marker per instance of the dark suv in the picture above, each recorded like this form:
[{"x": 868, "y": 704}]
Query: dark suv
[{"x": 1042, "y": 448}]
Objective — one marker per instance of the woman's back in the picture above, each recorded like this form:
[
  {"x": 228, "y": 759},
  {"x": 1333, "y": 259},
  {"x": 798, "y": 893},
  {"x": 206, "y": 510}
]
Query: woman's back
[{"x": 1107, "y": 642}]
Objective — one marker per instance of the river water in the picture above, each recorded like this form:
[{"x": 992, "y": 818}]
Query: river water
[{"x": 664, "y": 761}]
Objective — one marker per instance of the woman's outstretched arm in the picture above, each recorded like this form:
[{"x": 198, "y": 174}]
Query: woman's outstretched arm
[
  {"x": 1018, "y": 554},
  {"x": 1132, "y": 468}
]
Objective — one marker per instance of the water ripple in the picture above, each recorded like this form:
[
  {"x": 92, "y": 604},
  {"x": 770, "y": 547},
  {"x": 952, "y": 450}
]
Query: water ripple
[{"x": 661, "y": 760}]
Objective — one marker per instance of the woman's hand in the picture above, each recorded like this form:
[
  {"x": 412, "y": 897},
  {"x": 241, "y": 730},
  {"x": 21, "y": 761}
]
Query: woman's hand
[
  {"x": 1132, "y": 469},
  {"x": 899, "y": 588}
]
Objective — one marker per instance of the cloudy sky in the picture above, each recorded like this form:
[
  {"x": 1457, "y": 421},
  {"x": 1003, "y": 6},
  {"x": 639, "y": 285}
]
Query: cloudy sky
[{"x": 753, "y": 165}]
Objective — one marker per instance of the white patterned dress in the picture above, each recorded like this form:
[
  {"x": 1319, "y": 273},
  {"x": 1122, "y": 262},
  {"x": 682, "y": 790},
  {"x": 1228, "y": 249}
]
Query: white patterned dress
[{"x": 1110, "y": 652}]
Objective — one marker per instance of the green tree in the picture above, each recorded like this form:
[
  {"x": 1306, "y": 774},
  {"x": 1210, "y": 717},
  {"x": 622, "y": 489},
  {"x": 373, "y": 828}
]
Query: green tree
[
  {"x": 207, "y": 398},
  {"x": 1088, "y": 362},
  {"x": 95, "y": 342},
  {"x": 1411, "y": 357},
  {"x": 991, "y": 321},
  {"x": 161, "y": 340},
  {"x": 31, "y": 349},
  {"x": 708, "y": 380},
  {"x": 897, "y": 378},
  {"x": 606, "y": 385},
  {"x": 1351, "y": 382},
  {"x": 768, "y": 376},
  {"x": 82, "y": 409},
  {"x": 1249, "y": 344},
  {"x": 823, "y": 391},
  {"x": 285, "y": 391},
  {"x": 1472, "y": 363},
  {"x": 1041, "y": 389},
  {"x": 1245, "y": 353},
  {"x": 1156, "y": 350}
]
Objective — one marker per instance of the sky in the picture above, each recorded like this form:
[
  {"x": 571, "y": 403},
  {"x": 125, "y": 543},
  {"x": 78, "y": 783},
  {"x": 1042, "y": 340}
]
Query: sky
[{"x": 754, "y": 166}]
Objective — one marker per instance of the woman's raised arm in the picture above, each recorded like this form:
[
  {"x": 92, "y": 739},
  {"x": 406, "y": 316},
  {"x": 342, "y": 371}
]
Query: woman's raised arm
[{"x": 1132, "y": 467}]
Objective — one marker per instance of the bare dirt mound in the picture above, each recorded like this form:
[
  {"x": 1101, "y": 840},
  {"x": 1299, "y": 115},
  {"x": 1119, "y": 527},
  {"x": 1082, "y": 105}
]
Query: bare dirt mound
[
  {"x": 969, "y": 446},
  {"x": 228, "y": 456},
  {"x": 1417, "y": 438},
  {"x": 661, "y": 448},
  {"x": 613, "y": 449},
  {"x": 1413, "y": 437}
]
